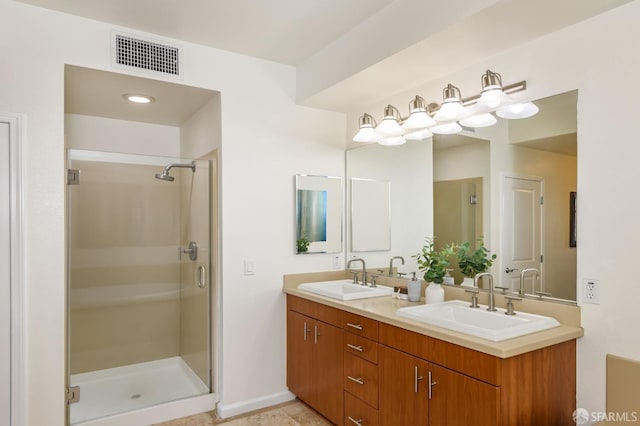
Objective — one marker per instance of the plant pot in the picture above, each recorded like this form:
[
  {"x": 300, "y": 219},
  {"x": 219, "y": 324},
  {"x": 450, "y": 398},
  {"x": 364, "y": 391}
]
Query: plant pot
[
  {"x": 434, "y": 293},
  {"x": 467, "y": 282}
]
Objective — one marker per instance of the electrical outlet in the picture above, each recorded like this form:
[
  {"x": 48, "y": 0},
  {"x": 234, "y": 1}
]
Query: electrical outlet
[
  {"x": 337, "y": 261},
  {"x": 591, "y": 291}
]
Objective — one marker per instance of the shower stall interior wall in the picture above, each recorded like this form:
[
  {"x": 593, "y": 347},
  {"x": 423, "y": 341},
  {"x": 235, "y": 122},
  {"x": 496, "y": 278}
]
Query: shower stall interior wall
[{"x": 139, "y": 304}]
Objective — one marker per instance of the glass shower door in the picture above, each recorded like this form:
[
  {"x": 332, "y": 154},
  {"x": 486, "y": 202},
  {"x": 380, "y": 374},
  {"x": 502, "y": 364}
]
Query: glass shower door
[{"x": 138, "y": 281}]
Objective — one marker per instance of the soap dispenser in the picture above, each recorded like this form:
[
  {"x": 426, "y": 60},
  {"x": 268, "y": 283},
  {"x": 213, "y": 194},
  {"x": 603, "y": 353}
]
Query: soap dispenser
[
  {"x": 448, "y": 279},
  {"x": 414, "y": 288}
]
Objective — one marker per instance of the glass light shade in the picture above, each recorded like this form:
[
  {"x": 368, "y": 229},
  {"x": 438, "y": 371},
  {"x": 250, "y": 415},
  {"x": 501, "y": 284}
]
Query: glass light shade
[
  {"x": 366, "y": 134},
  {"x": 446, "y": 128},
  {"x": 493, "y": 97},
  {"x": 418, "y": 120},
  {"x": 515, "y": 111},
  {"x": 389, "y": 127},
  {"x": 418, "y": 135},
  {"x": 392, "y": 141},
  {"x": 451, "y": 109},
  {"x": 481, "y": 120}
]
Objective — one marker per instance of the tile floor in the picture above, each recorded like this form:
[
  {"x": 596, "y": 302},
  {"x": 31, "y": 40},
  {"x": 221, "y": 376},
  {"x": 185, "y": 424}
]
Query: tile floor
[{"x": 293, "y": 413}]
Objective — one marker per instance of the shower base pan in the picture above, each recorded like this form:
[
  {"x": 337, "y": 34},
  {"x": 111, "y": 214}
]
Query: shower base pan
[{"x": 118, "y": 390}]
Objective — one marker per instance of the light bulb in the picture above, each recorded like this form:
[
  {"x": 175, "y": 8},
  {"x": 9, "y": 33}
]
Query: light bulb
[{"x": 491, "y": 97}]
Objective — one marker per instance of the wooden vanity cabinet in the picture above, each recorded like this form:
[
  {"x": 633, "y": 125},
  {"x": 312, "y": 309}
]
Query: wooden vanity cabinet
[
  {"x": 471, "y": 387},
  {"x": 315, "y": 356},
  {"x": 355, "y": 370}
]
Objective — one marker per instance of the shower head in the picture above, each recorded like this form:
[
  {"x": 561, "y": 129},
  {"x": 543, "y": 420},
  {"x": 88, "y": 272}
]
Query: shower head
[
  {"x": 165, "y": 176},
  {"x": 165, "y": 173}
]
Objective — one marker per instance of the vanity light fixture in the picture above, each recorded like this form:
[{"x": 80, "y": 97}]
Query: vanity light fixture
[
  {"x": 390, "y": 126},
  {"x": 366, "y": 133},
  {"x": 418, "y": 117},
  {"x": 139, "y": 98},
  {"x": 451, "y": 108},
  {"x": 447, "y": 118}
]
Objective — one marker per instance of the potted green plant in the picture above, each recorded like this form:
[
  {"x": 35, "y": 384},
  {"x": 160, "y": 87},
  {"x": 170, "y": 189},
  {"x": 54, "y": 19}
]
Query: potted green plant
[
  {"x": 433, "y": 263},
  {"x": 473, "y": 262},
  {"x": 302, "y": 244}
]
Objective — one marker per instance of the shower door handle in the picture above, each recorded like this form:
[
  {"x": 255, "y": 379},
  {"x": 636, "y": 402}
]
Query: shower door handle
[{"x": 202, "y": 276}]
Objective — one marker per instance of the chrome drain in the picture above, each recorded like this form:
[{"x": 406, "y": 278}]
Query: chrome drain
[{"x": 135, "y": 396}]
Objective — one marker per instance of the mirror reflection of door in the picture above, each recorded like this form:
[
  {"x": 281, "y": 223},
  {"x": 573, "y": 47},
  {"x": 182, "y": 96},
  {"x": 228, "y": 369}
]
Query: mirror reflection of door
[
  {"x": 457, "y": 214},
  {"x": 522, "y": 232}
]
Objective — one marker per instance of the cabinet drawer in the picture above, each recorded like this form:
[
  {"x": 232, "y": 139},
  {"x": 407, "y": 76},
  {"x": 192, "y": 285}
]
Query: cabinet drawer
[
  {"x": 357, "y": 412},
  {"x": 359, "y": 346},
  {"x": 314, "y": 310},
  {"x": 361, "y": 379},
  {"x": 362, "y": 326}
]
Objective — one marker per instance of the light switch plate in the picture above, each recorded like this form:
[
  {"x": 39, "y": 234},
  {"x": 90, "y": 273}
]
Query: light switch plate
[{"x": 249, "y": 267}]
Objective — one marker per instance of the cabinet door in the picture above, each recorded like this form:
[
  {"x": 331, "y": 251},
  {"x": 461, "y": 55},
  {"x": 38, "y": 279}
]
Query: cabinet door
[
  {"x": 327, "y": 365},
  {"x": 456, "y": 399},
  {"x": 403, "y": 388},
  {"x": 299, "y": 356}
]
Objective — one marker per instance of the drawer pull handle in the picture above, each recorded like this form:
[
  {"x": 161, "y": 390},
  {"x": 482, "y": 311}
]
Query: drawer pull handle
[
  {"x": 416, "y": 377},
  {"x": 432, "y": 383},
  {"x": 356, "y": 326},
  {"x": 354, "y": 421},
  {"x": 355, "y": 348},
  {"x": 358, "y": 380}
]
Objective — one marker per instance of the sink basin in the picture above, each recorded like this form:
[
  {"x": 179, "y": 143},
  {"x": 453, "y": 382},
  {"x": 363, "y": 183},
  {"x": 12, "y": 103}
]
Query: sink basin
[
  {"x": 345, "y": 290},
  {"x": 456, "y": 315}
]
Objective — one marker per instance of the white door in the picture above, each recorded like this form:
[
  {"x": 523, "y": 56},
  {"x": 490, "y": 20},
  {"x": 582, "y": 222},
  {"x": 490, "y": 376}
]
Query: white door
[
  {"x": 521, "y": 231},
  {"x": 5, "y": 295}
]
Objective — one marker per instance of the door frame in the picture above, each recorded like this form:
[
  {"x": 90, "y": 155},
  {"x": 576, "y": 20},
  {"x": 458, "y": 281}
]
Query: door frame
[{"x": 16, "y": 124}]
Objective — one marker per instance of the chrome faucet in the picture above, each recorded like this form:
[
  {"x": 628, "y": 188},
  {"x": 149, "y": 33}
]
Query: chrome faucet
[
  {"x": 492, "y": 303},
  {"x": 522, "y": 274},
  {"x": 364, "y": 269},
  {"x": 391, "y": 264}
]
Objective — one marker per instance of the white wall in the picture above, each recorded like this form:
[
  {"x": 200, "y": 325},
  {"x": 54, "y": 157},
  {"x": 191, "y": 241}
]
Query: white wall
[
  {"x": 596, "y": 57},
  {"x": 130, "y": 137},
  {"x": 266, "y": 139}
]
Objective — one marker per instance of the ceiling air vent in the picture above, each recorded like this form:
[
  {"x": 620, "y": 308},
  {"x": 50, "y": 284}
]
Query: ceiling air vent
[{"x": 133, "y": 52}]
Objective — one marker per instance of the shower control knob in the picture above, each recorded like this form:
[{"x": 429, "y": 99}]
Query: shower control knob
[{"x": 191, "y": 250}]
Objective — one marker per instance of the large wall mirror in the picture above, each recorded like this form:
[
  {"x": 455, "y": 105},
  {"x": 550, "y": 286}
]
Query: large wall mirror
[{"x": 511, "y": 183}]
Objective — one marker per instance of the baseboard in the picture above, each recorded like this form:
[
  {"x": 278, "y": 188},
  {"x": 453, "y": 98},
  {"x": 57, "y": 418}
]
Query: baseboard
[{"x": 229, "y": 410}]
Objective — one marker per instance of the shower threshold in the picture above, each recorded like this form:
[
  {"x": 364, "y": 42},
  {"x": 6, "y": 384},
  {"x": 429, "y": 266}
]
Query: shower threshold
[{"x": 118, "y": 390}]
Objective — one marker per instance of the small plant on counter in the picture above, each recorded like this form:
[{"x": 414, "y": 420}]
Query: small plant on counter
[
  {"x": 302, "y": 244},
  {"x": 474, "y": 262},
  {"x": 434, "y": 263}
]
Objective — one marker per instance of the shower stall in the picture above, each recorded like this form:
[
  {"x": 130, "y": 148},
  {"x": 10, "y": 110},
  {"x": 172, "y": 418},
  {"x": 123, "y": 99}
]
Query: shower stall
[{"x": 139, "y": 282}]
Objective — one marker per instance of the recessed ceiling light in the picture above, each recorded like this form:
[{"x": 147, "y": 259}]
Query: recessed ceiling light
[{"x": 138, "y": 98}]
